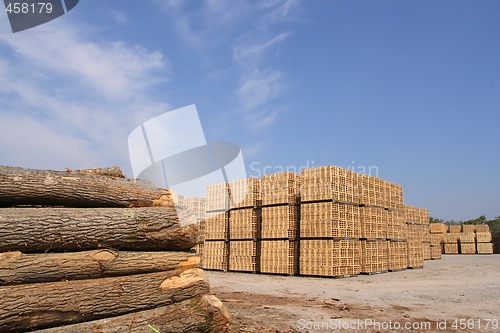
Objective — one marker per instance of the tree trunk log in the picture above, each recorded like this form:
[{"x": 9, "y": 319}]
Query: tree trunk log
[
  {"x": 16, "y": 267},
  {"x": 42, "y": 305},
  {"x": 76, "y": 189},
  {"x": 200, "y": 314},
  {"x": 77, "y": 229}
]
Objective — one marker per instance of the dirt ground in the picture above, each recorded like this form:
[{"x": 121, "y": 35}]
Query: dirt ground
[{"x": 455, "y": 294}]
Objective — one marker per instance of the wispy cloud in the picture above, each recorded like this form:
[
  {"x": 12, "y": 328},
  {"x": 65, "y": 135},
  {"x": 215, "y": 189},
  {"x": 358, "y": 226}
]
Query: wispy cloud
[
  {"x": 73, "y": 101},
  {"x": 250, "y": 33},
  {"x": 118, "y": 16}
]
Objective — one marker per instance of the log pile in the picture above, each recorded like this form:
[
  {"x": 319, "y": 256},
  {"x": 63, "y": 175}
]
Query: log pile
[{"x": 92, "y": 251}]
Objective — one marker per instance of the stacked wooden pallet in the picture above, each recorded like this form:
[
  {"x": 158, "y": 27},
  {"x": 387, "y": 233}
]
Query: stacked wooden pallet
[
  {"x": 245, "y": 193},
  {"x": 329, "y": 222},
  {"x": 484, "y": 240},
  {"x": 373, "y": 223},
  {"x": 330, "y": 257},
  {"x": 280, "y": 223},
  {"x": 398, "y": 256},
  {"x": 438, "y": 231},
  {"x": 90, "y": 260},
  {"x": 374, "y": 256},
  {"x": 417, "y": 228},
  {"x": 468, "y": 240},
  {"x": 330, "y": 219},
  {"x": 451, "y": 240},
  {"x": 329, "y": 183}
]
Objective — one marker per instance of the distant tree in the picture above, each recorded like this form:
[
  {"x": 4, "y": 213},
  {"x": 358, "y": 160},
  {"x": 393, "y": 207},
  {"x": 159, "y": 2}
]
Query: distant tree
[
  {"x": 435, "y": 220},
  {"x": 480, "y": 220}
]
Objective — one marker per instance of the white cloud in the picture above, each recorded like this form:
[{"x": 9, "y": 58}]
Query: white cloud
[
  {"x": 258, "y": 88},
  {"x": 250, "y": 50},
  {"x": 66, "y": 101}
]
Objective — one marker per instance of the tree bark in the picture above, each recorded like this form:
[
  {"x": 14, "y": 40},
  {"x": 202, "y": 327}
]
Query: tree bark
[
  {"x": 77, "y": 229},
  {"x": 200, "y": 314},
  {"x": 42, "y": 305},
  {"x": 16, "y": 267},
  {"x": 20, "y": 186}
]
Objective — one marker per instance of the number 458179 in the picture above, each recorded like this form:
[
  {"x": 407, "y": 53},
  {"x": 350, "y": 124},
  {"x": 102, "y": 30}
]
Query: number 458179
[{"x": 29, "y": 8}]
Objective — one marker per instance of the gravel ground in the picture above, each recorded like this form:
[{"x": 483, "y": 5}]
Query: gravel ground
[{"x": 461, "y": 289}]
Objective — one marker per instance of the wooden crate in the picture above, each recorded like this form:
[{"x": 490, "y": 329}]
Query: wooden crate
[
  {"x": 452, "y": 237},
  {"x": 396, "y": 232},
  {"x": 397, "y": 256},
  {"x": 279, "y": 221},
  {"x": 469, "y": 228},
  {"x": 451, "y": 248},
  {"x": 426, "y": 250},
  {"x": 373, "y": 223},
  {"x": 483, "y": 237},
  {"x": 469, "y": 237},
  {"x": 484, "y": 248},
  {"x": 374, "y": 256},
  {"x": 244, "y": 223},
  {"x": 468, "y": 248},
  {"x": 437, "y": 239},
  {"x": 414, "y": 232},
  {"x": 329, "y": 219},
  {"x": 277, "y": 257},
  {"x": 438, "y": 228},
  {"x": 455, "y": 228},
  {"x": 329, "y": 257},
  {"x": 436, "y": 252},
  {"x": 243, "y": 256},
  {"x": 373, "y": 191},
  {"x": 482, "y": 228},
  {"x": 245, "y": 193},
  {"x": 216, "y": 226},
  {"x": 329, "y": 183},
  {"x": 217, "y": 197},
  {"x": 415, "y": 253},
  {"x": 215, "y": 255},
  {"x": 280, "y": 188}
]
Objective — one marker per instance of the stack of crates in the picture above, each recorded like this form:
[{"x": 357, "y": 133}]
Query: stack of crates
[
  {"x": 373, "y": 191},
  {"x": 374, "y": 256},
  {"x": 468, "y": 239},
  {"x": 329, "y": 219},
  {"x": 329, "y": 183},
  {"x": 451, "y": 239},
  {"x": 397, "y": 256},
  {"x": 418, "y": 236},
  {"x": 329, "y": 222},
  {"x": 280, "y": 215},
  {"x": 329, "y": 257},
  {"x": 438, "y": 232},
  {"x": 396, "y": 240},
  {"x": 373, "y": 223},
  {"x": 244, "y": 225},
  {"x": 484, "y": 240},
  {"x": 215, "y": 248}
]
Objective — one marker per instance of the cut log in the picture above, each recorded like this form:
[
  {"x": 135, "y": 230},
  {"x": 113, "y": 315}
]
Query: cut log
[
  {"x": 43, "y": 305},
  {"x": 77, "y": 229},
  {"x": 76, "y": 189},
  {"x": 201, "y": 314},
  {"x": 16, "y": 267}
]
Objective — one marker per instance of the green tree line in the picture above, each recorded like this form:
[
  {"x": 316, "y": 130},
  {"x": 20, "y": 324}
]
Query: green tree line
[{"x": 493, "y": 224}]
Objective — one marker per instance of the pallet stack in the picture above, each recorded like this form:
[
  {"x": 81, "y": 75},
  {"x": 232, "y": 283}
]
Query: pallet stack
[
  {"x": 468, "y": 239},
  {"x": 280, "y": 220},
  {"x": 484, "y": 240},
  {"x": 215, "y": 248},
  {"x": 90, "y": 260},
  {"x": 417, "y": 227},
  {"x": 438, "y": 232},
  {"x": 244, "y": 225},
  {"x": 329, "y": 222},
  {"x": 452, "y": 239}
]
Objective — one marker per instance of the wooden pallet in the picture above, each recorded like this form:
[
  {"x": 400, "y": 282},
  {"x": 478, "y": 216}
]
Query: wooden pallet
[
  {"x": 328, "y": 219},
  {"x": 467, "y": 248},
  {"x": 279, "y": 221},
  {"x": 483, "y": 237},
  {"x": 484, "y": 248},
  {"x": 451, "y": 248}
]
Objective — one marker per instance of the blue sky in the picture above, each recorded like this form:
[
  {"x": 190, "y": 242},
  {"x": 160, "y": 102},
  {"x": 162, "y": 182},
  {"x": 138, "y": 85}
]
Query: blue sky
[{"x": 409, "y": 88}]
